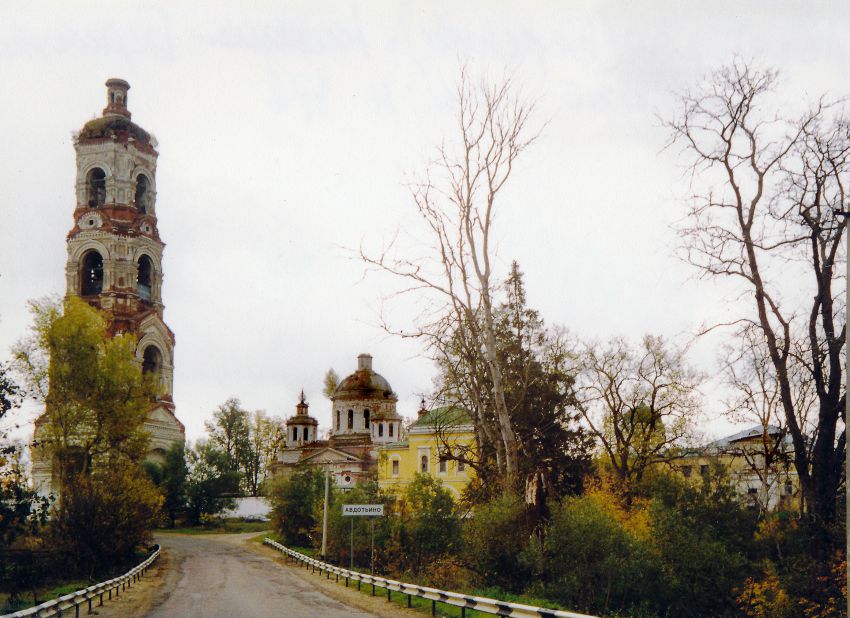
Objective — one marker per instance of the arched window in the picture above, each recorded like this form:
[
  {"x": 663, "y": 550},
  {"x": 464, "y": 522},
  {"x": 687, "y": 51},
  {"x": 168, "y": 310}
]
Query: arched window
[
  {"x": 423, "y": 464},
  {"x": 96, "y": 188},
  {"x": 380, "y": 430},
  {"x": 338, "y": 425},
  {"x": 391, "y": 430},
  {"x": 91, "y": 274},
  {"x": 295, "y": 434},
  {"x": 142, "y": 193},
  {"x": 306, "y": 434},
  {"x": 151, "y": 360},
  {"x": 351, "y": 419},
  {"x": 144, "y": 278},
  {"x": 366, "y": 418}
]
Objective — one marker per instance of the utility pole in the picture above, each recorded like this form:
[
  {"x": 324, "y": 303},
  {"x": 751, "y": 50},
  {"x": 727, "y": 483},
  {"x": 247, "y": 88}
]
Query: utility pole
[{"x": 325, "y": 514}]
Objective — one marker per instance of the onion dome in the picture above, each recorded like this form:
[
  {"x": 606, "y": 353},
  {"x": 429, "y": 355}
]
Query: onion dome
[
  {"x": 115, "y": 123},
  {"x": 364, "y": 383}
]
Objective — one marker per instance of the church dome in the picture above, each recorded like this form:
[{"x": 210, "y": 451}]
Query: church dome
[
  {"x": 115, "y": 124},
  {"x": 364, "y": 383}
]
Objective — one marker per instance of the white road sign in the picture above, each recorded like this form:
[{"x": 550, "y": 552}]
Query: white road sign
[{"x": 373, "y": 510}]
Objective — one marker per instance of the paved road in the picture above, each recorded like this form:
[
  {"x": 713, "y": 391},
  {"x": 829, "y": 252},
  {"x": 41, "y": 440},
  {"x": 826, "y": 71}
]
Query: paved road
[{"x": 216, "y": 576}]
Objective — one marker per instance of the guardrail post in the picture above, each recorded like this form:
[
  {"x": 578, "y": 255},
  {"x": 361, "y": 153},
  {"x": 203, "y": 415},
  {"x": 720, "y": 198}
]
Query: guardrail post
[
  {"x": 462, "y": 612},
  {"x": 89, "y": 600},
  {"x": 408, "y": 601},
  {"x": 373, "y": 588},
  {"x": 76, "y": 610},
  {"x": 358, "y": 584},
  {"x": 389, "y": 595},
  {"x": 433, "y": 607},
  {"x": 101, "y": 599}
]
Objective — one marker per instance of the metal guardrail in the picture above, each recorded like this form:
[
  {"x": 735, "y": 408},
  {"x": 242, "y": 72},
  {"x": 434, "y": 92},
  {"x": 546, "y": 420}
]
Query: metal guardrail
[
  {"x": 481, "y": 604},
  {"x": 71, "y": 603}
]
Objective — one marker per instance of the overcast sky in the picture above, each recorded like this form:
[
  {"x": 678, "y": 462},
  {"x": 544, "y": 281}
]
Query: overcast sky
[{"x": 287, "y": 132}]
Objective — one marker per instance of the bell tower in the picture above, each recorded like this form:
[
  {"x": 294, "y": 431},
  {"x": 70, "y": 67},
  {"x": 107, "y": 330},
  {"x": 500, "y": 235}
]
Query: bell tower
[{"x": 114, "y": 249}]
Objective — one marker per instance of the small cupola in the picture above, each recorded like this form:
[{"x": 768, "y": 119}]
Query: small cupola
[
  {"x": 116, "y": 98},
  {"x": 302, "y": 406},
  {"x": 364, "y": 361},
  {"x": 422, "y": 411}
]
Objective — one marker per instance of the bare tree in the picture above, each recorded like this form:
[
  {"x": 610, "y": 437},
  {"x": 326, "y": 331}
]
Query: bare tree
[
  {"x": 764, "y": 210},
  {"x": 638, "y": 403},
  {"x": 755, "y": 398},
  {"x": 457, "y": 201}
]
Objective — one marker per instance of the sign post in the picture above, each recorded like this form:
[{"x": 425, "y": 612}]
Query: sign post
[{"x": 363, "y": 510}]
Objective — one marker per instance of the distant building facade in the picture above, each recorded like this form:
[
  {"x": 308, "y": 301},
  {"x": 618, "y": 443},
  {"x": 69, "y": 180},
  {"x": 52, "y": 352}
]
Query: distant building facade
[
  {"x": 115, "y": 257},
  {"x": 430, "y": 441},
  {"x": 766, "y": 482},
  {"x": 363, "y": 417}
]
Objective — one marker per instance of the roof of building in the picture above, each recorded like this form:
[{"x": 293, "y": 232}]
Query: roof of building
[
  {"x": 113, "y": 126},
  {"x": 364, "y": 383},
  {"x": 755, "y": 431},
  {"x": 445, "y": 416}
]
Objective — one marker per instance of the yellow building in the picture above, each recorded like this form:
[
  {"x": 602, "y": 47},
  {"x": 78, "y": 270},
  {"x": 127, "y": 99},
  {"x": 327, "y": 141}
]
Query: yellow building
[
  {"x": 435, "y": 433},
  {"x": 767, "y": 485}
]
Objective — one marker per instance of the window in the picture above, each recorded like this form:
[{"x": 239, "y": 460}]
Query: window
[
  {"x": 144, "y": 278},
  {"x": 366, "y": 418},
  {"x": 686, "y": 471},
  {"x": 423, "y": 464},
  {"x": 380, "y": 430},
  {"x": 96, "y": 188},
  {"x": 142, "y": 193},
  {"x": 461, "y": 466},
  {"x": 703, "y": 470},
  {"x": 151, "y": 360},
  {"x": 395, "y": 467},
  {"x": 306, "y": 434},
  {"x": 391, "y": 429},
  {"x": 789, "y": 488},
  {"x": 351, "y": 419},
  {"x": 337, "y": 420},
  {"x": 752, "y": 491},
  {"x": 443, "y": 466},
  {"x": 92, "y": 274},
  {"x": 295, "y": 434}
]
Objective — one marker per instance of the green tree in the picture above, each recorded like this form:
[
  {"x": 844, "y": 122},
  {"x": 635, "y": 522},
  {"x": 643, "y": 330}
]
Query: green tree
[
  {"x": 22, "y": 511},
  {"x": 428, "y": 524},
  {"x": 211, "y": 483},
  {"x": 297, "y": 506},
  {"x": 539, "y": 368},
  {"x": 95, "y": 394},
  {"x": 174, "y": 482},
  {"x": 230, "y": 432},
  {"x": 104, "y": 516},
  {"x": 266, "y": 437}
]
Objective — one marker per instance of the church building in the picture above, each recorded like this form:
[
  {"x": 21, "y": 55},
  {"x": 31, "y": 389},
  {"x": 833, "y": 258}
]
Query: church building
[
  {"x": 115, "y": 254},
  {"x": 363, "y": 417}
]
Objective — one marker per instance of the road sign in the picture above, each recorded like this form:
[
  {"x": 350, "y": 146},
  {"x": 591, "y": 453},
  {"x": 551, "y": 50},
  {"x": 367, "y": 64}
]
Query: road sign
[{"x": 367, "y": 510}]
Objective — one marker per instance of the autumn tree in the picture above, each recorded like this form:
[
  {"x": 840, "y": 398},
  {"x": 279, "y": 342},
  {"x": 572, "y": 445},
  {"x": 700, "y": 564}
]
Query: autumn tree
[
  {"x": 637, "y": 401},
  {"x": 331, "y": 381},
  {"x": 457, "y": 199},
  {"x": 769, "y": 187},
  {"x": 95, "y": 395}
]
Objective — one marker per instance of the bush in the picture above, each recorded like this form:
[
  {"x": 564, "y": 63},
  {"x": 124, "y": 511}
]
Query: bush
[
  {"x": 297, "y": 507},
  {"x": 104, "y": 517},
  {"x": 496, "y": 541}
]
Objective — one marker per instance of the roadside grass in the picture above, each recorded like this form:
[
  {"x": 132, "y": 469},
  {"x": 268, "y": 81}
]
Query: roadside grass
[
  {"x": 26, "y": 599},
  {"x": 224, "y": 526}
]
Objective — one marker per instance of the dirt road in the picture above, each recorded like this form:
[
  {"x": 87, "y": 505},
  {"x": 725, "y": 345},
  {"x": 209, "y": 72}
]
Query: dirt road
[{"x": 219, "y": 576}]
